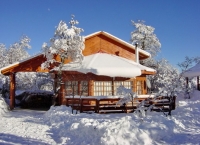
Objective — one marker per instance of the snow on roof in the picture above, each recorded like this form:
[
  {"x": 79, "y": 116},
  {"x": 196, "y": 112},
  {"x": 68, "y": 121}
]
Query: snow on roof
[
  {"x": 107, "y": 65},
  {"x": 119, "y": 40},
  {"x": 192, "y": 72},
  {"x": 86, "y": 37},
  {"x": 18, "y": 62},
  {"x": 142, "y": 67}
]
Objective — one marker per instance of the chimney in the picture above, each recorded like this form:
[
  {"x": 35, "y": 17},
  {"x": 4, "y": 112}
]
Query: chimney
[{"x": 136, "y": 53}]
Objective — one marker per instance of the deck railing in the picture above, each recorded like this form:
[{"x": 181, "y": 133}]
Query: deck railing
[{"x": 106, "y": 105}]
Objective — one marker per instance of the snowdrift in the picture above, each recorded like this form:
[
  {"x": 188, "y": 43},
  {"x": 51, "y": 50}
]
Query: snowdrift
[
  {"x": 127, "y": 129},
  {"x": 3, "y": 106}
]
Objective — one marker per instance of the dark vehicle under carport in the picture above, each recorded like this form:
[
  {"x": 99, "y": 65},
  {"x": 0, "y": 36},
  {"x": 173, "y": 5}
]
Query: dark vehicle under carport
[{"x": 31, "y": 99}]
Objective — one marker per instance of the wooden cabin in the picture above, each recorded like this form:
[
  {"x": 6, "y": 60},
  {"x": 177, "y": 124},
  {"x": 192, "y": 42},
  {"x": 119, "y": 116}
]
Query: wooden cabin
[{"x": 87, "y": 84}]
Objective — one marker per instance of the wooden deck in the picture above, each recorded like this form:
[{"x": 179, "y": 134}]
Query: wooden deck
[{"x": 108, "y": 105}]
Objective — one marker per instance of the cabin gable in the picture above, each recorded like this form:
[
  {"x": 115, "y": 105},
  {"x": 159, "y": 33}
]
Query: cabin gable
[
  {"x": 104, "y": 43},
  {"x": 101, "y": 43}
]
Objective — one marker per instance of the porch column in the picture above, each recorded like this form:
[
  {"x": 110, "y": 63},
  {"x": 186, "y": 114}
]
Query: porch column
[
  {"x": 79, "y": 88},
  {"x": 55, "y": 83},
  {"x": 12, "y": 91},
  {"x": 113, "y": 86},
  {"x": 61, "y": 99},
  {"x": 198, "y": 85},
  {"x": 90, "y": 88}
]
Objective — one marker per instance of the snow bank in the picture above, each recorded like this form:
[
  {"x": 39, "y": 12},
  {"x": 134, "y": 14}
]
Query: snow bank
[
  {"x": 110, "y": 129},
  {"x": 59, "y": 126},
  {"x": 94, "y": 128},
  {"x": 106, "y": 129},
  {"x": 3, "y": 106}
]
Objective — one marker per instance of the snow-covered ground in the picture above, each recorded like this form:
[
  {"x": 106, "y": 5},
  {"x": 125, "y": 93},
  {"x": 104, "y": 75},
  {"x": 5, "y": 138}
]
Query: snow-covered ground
[{"x": 59, "y": 126}]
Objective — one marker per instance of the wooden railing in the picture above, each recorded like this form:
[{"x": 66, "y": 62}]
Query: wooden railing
[{"x": 109, "y": 104}]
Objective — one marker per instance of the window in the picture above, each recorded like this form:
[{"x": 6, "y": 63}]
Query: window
[
  {"x": 126, "y": 84},
  {"x": 71, "y": 87},
  {"x": 102, "y": 88},
  {"x": 84, "y": 88},
  {"x": 139, "y": 87}
]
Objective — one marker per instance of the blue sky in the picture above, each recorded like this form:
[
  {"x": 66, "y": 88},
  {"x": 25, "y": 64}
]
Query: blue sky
[{"x": 176, "y": 23}]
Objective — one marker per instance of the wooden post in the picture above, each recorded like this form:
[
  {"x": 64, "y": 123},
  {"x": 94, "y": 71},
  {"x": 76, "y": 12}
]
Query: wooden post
[
  {"x": 55, "y": 83},
  {"x": 90, "y": 88},
  {"x": 113, "y": 86},
  {"x": 61, "y": 98},
  {"x": 12, "y": 91},
  {"x": 79, "y": 88},
  {"x": 198, "y": 85}
]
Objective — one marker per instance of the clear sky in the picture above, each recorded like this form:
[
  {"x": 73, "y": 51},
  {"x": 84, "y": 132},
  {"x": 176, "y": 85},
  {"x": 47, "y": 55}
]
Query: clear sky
[{"x": 176, "y": 22}]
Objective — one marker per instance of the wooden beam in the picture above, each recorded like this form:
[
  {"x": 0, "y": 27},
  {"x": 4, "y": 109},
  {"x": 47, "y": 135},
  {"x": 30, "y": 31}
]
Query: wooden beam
[
  {"x": 91, "y": 88},
  {"x": 148, "y": 72},
  {"x": 79, "y": 88},
  {"x": 55, "y": 82},
  {"x": 113, "y": 86},
  {"x": 61, "y": 97},
  {"x": 12, "y": 91}
]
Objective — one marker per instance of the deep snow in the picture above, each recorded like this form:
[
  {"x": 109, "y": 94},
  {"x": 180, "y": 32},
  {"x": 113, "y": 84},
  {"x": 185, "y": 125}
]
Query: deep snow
[{"x": 59, "y": 126}]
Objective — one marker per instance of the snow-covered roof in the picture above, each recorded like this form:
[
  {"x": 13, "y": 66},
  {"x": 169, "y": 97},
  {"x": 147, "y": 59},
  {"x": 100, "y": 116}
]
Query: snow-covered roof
[
  {"x": 118, "y": 40},
  {"x": 192, "y": 72},
  {"x": 86, "y": 37},
  {"x": 108, "y": 65},
  {"x": 18, "y": 62}
]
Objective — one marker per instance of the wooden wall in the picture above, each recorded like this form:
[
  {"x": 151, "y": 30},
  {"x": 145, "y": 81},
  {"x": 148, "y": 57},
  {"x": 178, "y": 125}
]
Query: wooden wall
[
  {"x": 101, "y": 43},
  {"x": 76, "y": 76}
]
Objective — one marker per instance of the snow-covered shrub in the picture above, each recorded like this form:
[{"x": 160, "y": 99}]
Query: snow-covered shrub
[{"x": 126, "y": 95}]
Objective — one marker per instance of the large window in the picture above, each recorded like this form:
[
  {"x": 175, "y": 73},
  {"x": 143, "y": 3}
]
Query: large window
[{"x": 102, "y": 88}]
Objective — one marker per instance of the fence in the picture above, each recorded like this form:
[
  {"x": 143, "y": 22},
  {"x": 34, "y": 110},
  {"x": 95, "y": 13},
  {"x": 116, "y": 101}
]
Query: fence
[{"x": 106, "y": 105}]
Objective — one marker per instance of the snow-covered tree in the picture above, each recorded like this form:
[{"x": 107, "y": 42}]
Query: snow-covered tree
[
  {"x": 167, "y": 80},
  {"x": 3, "y": 57},
  {"x": 188, "y": 63},
  {"x": 18, "y": 50},
  {"x": 66, "y": 43},
  {"x": 14, "y": 53},
  {"x": 25, "y": 80},
  {"x": 145, "y": 37},
  {"x": 191, "y": 82},
  {"x": 44, "y": 82}
]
